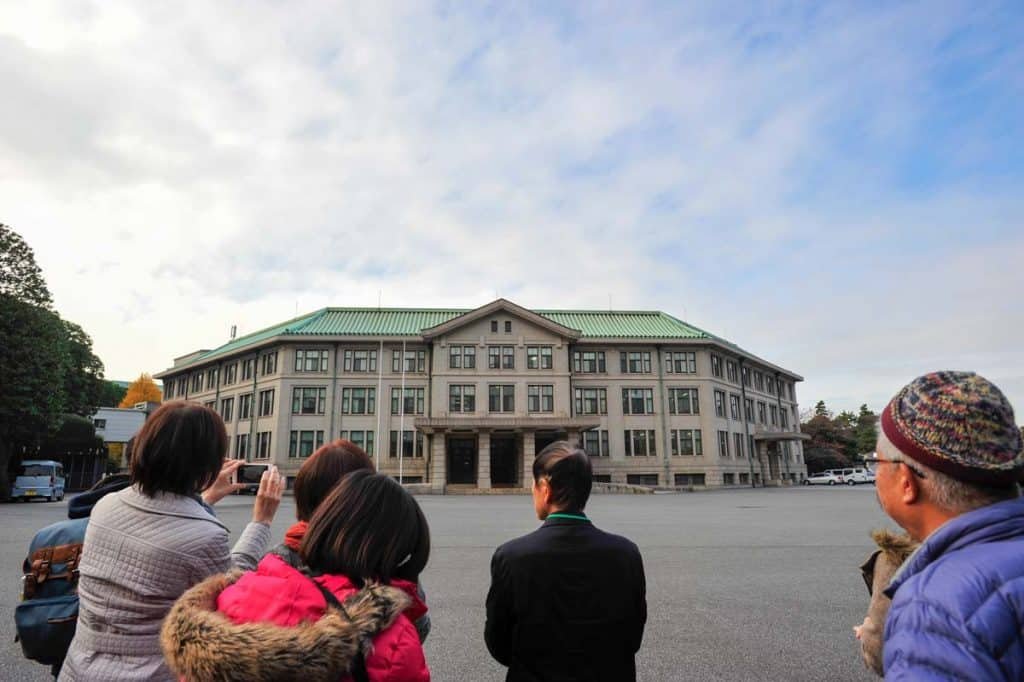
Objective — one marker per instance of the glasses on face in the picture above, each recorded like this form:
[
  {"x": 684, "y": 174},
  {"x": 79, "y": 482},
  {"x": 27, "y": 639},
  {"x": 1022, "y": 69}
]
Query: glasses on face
[{"x": 873, "y": 464}]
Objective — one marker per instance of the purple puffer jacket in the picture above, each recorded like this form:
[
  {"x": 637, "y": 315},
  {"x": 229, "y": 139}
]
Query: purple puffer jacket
[{"x": 958, "y": 601}]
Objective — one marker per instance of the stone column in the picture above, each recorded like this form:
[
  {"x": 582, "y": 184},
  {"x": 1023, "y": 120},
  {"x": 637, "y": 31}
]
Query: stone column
[
  {"x": 483, "y": 460},
  {"x": 438, "y": 462},
  {"x": 529, "y": 454}
]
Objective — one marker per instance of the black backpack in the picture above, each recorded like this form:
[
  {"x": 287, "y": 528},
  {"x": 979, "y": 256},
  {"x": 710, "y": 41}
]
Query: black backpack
[{"x": 47, "y": 615}]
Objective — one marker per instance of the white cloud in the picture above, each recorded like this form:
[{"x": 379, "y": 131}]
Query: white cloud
[{"x": 180, "y": 169}]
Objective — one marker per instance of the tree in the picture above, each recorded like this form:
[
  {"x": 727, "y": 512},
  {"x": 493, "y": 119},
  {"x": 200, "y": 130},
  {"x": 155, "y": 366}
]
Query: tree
[
  {"x": 820, "y": 410},
  {"x": 20, "y": 277},
  {"x": 111, "y": 394},
  {"x": 142, "y": 390},
  {"x": 83, "y": 373},
  {"x": 865, "y": 433}
]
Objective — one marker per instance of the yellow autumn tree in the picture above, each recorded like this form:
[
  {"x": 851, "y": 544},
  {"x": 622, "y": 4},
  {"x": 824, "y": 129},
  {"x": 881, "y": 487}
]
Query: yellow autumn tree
[{"x": 142, "y": 390}]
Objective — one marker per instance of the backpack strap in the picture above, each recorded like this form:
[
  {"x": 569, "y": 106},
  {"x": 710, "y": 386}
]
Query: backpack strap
[
  {"x": 40, "y": 566},
  {"x": 358, "y": 670}
]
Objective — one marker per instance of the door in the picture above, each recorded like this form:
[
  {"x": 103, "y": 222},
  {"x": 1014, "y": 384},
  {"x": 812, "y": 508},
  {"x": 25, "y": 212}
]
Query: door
[
  {"x": 504, "y": 461},
  {"x": 462, "y": 459}
]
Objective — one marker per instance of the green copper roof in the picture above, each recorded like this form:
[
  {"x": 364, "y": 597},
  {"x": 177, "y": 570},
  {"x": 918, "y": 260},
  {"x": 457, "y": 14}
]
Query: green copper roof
[{"x": 411, "y": 321}]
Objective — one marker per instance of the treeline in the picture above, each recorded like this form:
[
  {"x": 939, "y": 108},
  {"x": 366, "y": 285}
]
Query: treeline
[
  {"x": 50, "y": 380},
  {"x": 840, "y": 440}
]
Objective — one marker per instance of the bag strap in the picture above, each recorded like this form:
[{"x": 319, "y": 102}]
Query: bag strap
[
  {"x": 40, "y": 565},
  {"x": 359, "y": 672}
]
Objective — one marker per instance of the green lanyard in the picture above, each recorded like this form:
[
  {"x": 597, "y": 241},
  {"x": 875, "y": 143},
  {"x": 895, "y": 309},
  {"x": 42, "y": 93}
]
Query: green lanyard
[{"x": 560, "y": 515}]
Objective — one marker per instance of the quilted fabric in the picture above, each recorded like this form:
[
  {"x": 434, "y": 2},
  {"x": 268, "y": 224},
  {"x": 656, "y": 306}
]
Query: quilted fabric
[
  {"x": 142, "y": 553},
  {"x": 958, "y": 601}
]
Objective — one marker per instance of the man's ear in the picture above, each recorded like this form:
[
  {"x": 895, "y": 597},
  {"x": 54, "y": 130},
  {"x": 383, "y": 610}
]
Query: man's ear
[{"x": 910, "y": 487}]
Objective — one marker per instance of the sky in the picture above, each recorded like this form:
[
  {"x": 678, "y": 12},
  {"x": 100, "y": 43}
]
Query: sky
[{"x": 836, "y": 187}]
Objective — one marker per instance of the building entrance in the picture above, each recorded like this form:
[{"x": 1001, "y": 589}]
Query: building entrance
[
  {"x": 544, "y": 439},
  {"x": 504, "y": 461},
  {"x": 462, "y": 454}
]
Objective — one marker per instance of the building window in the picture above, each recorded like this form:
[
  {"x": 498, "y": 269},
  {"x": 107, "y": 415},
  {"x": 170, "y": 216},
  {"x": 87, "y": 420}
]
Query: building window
[
  {"x": 245, "y": 406},
  {"x": 637, "y": 401},
  {"x": 269, "y": 362},
  {"x": 591, "y": 401},
  {"x": 168, "y": 389},
  {"x": 210, "y": 404},
  {"x": 759, "y": 380},
  {"x": 508, "y": 327},
  {"x": 305, "y": 443},
  {"x": 211, "y": 378},
  {"x": 588, "y": 362},
  {"x": 501, "y": 357},
  {"x": 361, "y": 400},
  {"x": 642, "y": 479},
  {"x": 728, "y": 479},
  {"x": 307, "y": 360},
  {"x": 734, "y": 406},
  {"x": 183, "y": 386},
  {"x": 230, "y": 374},
  {"x": 678, "y": 362},
  {"x": 595, "y": 443},
  {"x": 789, "y": 388},
  {"x": 689, "y": 479},
  {"x": 407, "y": 444},
  {"x": 751, "y": 450},
  {"x": 716, "y": 366},
  {"x": 462, "y": 357},
  {"x": 687, "y": 442},
  {"x": 409, "y": 403},
  {"x": 745, "y": 372},
  {"x": 771, "y": 385},
  {"x": 683, "y": 401},
  {"x": 242, "y": 446},
  {"x": 635, "y": 362},
  {"x": 762, "y": 412},
  {"x": 248, "y": 369},
  {"x": 540, "y": 398},
  {"x": 784, "y": 419},
  {"x": 262, "y": 445},
  {"x": 501, "y": 398},
  {"x": 723, "y": 443},
  {"x": 461, "y": 398},
  {"x": 99, "y": 423},
  {"x": 197, "y": 382},
  {"x": 309, "y": 400},
  {"x": 639, "y": 443},
  {"x": 720, "y": 404},
  {"x": 415, "y": 361},
  {"x": 494, "y": 326},
  {"x": 738, "y": 441},
  {"x": 226, "y": 407},
  {"x": 730, "y": 371},
  {"x": 363, "y": 439},
  {"x": 539, "y": 357},
  {"x": 360, "y": 361},
  {"x": 748, "y": 409},
  {"x": 267, "y": 403},
  {"x": 774, "y": 412}
]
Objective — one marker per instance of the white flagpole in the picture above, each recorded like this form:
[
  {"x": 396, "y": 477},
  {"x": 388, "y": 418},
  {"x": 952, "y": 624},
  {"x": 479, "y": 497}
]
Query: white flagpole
[
  {"x": 380, "y": 401},
  {"x": 401, "y": 420}
]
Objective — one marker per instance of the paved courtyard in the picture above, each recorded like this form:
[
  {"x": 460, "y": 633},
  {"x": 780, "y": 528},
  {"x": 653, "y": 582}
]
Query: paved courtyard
[{"x": 741, "y": 584}]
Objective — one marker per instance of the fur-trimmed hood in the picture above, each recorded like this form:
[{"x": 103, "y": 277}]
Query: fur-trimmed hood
[
  {"x": 203, "y": 645},
  {"x": 896, "y": 546}
]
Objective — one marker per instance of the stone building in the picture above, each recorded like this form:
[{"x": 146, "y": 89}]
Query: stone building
[{"x": 465, "y": 398}]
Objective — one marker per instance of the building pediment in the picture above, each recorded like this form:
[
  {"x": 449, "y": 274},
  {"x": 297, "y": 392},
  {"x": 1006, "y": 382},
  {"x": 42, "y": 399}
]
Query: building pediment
[{"x": 498, "y": 307}]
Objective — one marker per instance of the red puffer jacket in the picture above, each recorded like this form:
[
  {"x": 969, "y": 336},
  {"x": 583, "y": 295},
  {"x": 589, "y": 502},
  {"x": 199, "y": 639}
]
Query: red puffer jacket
[{"x": 277, "y": 593}]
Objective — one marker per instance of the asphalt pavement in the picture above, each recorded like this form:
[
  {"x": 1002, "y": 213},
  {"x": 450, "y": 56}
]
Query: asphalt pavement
[{"x": 741, "y": 584}]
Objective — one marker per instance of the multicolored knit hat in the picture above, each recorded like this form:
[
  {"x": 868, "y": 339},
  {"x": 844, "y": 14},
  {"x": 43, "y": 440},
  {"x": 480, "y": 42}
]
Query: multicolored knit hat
[{"x": 958, "y": 423}]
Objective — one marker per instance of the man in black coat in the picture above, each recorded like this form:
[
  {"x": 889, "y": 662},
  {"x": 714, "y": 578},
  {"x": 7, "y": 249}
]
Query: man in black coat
[{"x": 567, "y": 602}]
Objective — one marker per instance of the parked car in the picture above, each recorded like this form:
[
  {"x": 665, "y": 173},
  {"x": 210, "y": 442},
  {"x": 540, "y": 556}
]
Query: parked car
[
  {"x": 823, "y": 478},
  {"x": 39, "y": 478},
  {"x": 857, "y": 475}
]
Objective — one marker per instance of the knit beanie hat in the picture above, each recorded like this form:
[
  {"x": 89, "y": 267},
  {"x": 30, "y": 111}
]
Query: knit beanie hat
[{"x": 958, "y": 423}]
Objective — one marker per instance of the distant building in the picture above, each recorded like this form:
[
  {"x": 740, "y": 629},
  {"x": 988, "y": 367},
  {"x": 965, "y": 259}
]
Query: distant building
[
  {"x": 117, "y": 425},
  {"x": 466, "y": 398}
]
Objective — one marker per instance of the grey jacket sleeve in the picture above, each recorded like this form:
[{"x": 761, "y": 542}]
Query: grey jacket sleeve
[
  {"x": 251, "y": 546},
  {"x": 423, "y": 622}
]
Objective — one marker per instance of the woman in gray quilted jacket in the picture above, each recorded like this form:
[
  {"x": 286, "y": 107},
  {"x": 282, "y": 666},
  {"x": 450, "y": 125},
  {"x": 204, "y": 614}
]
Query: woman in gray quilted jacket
[{"x": 146, "y": 545}]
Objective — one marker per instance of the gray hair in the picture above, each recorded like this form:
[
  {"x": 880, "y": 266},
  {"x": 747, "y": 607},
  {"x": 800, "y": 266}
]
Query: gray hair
[{"x": 949, "y": 494}]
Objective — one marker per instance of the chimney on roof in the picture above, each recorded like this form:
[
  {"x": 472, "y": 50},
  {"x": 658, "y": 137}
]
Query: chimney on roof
[{"x": 234, "y": 331}]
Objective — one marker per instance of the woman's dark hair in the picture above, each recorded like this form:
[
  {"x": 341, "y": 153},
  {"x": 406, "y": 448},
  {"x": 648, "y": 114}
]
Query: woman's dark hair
[
  {"x": 323, "y": 470},
  {"x": 180, "y": 449},
  {"x": 368, "y": 528},
  {"x": 568, "y": 472}
]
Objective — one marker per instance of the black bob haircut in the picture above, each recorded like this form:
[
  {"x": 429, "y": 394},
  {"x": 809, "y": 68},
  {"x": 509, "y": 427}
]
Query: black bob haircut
[{"x": 180, "y": 450}]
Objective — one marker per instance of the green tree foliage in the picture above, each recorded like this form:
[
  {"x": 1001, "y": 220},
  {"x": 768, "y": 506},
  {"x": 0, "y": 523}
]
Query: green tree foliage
[
  {"x": 835, "y": 440},
  {"x": 47, "y": 367},
  {"x": 821, "y": 411},
  {"x": 111, "y": 394},
  {"x": 865, "y": 432}
]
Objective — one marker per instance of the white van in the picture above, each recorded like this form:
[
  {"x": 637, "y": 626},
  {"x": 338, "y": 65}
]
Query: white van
[
  {"x": 39, "y": 478},
  {"x": 857, "y": 475}
]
